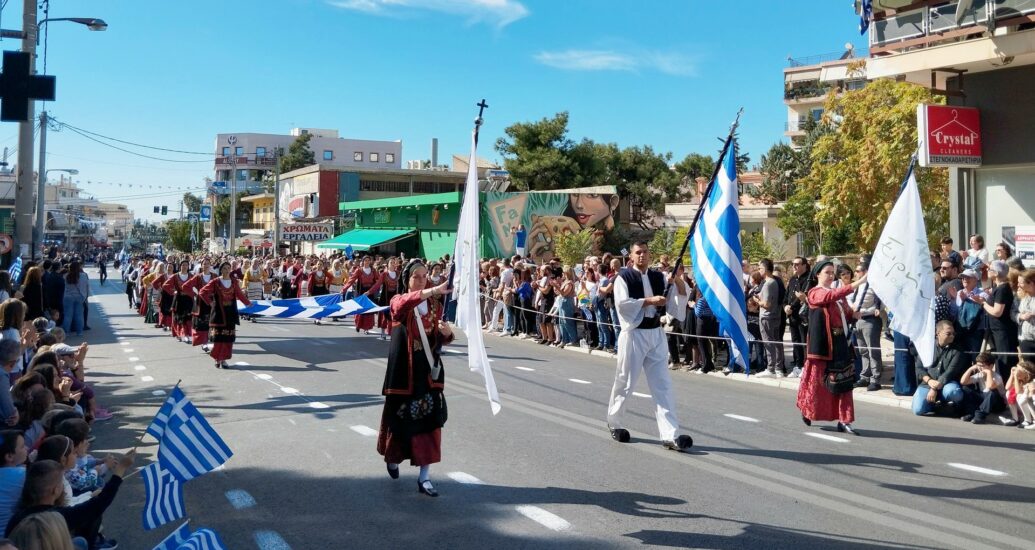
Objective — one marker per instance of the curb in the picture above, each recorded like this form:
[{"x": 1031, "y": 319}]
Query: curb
[{"x": 881, "y": 397}]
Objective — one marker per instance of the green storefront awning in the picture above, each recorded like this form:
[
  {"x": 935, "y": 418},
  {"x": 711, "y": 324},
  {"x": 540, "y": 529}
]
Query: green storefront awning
[{"x": 365, "y": 239}]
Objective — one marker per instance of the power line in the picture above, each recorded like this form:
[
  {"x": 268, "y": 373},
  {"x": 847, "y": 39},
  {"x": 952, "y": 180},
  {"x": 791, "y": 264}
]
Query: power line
[
  {"x": 65, "y": 124},
  {"x": 91, "y": 138}
]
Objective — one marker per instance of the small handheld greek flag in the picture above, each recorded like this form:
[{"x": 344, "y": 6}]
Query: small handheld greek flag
[
  {"x": 16, "y": 269},
  {"x": 164, "y": 500},
  {"x": 188, "y": 445},
  {"x": 183, "y": 539},
  {"x": 175, "y": 539},
  {"x": 348, "y": 251}
]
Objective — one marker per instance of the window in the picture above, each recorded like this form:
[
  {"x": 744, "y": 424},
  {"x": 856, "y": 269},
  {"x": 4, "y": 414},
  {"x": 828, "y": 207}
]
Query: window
[
  {"x": 390, "y": 158},
  {"x": 328, "y": 155},
  {"x": 357, "y": 156},
  {"x": 373, "y": 157},
  {"x": 239, "y": 151},
  {"x": 226, "y": 151},
  {"x": 242, "y": 175},
  {"x": 384, "y": 186},
  {"x": 260, "y": 151},
  {"x": 816, "y": 114}
]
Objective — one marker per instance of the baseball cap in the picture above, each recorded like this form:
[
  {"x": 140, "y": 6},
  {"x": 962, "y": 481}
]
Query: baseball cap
[
  {"x": 62, "y": 349},
  {"x": 969, "y": 273}
]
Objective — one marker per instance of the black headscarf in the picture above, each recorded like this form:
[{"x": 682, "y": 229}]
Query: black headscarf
[
  {"x": 404, "y": 280},
  {"x": 819, "y": 267}
]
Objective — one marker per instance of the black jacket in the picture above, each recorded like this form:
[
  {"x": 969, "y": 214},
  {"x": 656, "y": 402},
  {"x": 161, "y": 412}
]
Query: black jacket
[
  {"x": 800, "y": 283},
  {"x": 949, "y": 365},
  {"x": 77, "y": 517},
  {"x": 53, "y": 291}
]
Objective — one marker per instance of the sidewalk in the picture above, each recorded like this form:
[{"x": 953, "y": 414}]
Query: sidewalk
[{"x": 884, "y": 396}]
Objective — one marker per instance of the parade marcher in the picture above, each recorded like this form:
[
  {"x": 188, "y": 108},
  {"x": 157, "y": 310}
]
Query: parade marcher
[
  {"x": 202, "y": 311},
  {"x": 165, "y": 305},
  {"x": 827, "y": 345},
  {"x": 639, "y": 294},
  {"x": 389, "y": 288},
  {"x": 222, "y": 295},
  {"x": 254, "y": 284},
  {"x": 151, "y": 297},
  {"x": 365, "y": 280},
  {"x": 415, "y": 407},
  {"x": 183, "y": 302}
]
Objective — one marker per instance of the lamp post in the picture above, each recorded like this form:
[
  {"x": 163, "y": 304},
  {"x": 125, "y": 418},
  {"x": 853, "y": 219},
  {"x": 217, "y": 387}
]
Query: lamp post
[{"x": 41, "y": 190}]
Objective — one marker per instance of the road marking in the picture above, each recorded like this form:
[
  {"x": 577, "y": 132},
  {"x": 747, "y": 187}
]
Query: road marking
[
  {"x": 270, "y": 540},
  {"x": 328, "y": 455},
  {"x": 140, "y": 367},
  {"x": 319, "y": 405},
  {"x": 977, "y": 469},
  {"x": 638, "y": 394},
  {"x": 242, "y": 364},
  {"x": 286, "y": 389},
  {"x": 128, "y": 350},
  {"x": 158, "y": 392},
  {"x": 739, "y": 417},
  {"x": 264, "y": 376},
  {"x": 578, "y": 381},
  {"x": 468, "y": 479},
  {"x": 267, "y": 328},
  {"x": 363, "y": 430},
  {"x": 544, "y": 518},
  {"x": 317, "y": 343},
  {"x": 123, "y": 343},
  {"x": 134, "y": 359},
  {"x": 292, "y": 421},
  {"x": 526, "y": 369},
  {"x": 147, "y": 378},
  {"x": 328, "y": 342},
  {"x": 827, "y": 437},
  {"x": 240, "y": 499}
]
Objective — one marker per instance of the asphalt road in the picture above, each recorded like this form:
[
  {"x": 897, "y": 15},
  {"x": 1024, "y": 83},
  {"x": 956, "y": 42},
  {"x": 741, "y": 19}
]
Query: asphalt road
[{"x": 301, "y": 408}]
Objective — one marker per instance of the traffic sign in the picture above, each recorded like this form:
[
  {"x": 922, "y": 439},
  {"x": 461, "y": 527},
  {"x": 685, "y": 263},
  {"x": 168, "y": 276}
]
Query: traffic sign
[
  {"x": 206, "y": 212},
  {"x": 6, "y": 243}
]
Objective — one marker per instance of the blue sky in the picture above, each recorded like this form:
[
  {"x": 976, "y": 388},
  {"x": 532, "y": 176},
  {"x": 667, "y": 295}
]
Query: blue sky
[{"x": 670, "y": 74}]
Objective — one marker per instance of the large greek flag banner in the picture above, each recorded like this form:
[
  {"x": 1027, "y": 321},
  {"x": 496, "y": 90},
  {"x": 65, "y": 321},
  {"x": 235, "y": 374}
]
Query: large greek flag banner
[
  {"x": 465, "y": 283},
  {"x": 313, "y": 307},
  {"x": 188, "y": 446},
  {"x": 164, "y": 497},
  {"x": 901, "y": 273},
  {"x": 716, "y": 256}
]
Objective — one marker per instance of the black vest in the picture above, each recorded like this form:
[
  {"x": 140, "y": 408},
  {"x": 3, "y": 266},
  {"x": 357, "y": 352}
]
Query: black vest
[{"x": 634, "y": 282}]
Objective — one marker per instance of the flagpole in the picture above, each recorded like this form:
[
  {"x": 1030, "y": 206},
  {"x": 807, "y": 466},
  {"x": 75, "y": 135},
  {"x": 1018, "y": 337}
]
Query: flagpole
[
  {"x": 141, "y": 438},
  {"x": 477, "y": 127},
  {"x": 704, "y": 197}
]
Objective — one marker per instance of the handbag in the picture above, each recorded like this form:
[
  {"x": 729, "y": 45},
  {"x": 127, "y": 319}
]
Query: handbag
[{"x": 839, "y": 376}]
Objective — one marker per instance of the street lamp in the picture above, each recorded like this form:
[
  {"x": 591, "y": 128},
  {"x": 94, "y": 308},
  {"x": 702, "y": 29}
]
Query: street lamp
[{"x": 91, "y": 23}]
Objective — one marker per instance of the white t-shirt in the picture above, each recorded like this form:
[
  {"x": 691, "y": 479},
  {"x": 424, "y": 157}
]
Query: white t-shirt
[
  {"x": 507, "y": 277},
  {"x": 982, "y": 254}
]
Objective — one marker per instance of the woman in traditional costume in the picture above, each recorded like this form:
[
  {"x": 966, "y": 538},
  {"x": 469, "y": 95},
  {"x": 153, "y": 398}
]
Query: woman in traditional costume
[
  {"x": 165, "y": 302},
  {"x": 415, "y": 408},
  {"x": 389, "y": 284},
  {"x": 202, "y": 311},
  {"x": 152, "y": 295},
  {"x": 254, "y": 284},
  {"x": 222, "y": 294},
  {"x": 366, "y": 282},
  {"x": 827, "y": 341},
  {"x": 183, "y": 302}
]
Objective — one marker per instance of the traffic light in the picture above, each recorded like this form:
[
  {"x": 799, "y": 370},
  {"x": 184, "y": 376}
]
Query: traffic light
[
  {"x": 157, "y": 209},
  {"x": 165, "y": 210}
]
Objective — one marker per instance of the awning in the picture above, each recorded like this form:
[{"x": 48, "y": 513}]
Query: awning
[{"x": 365, "y": 239}]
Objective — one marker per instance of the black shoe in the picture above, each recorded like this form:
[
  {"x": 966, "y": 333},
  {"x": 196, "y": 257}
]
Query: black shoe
[
  {"x": 620, "y": 435},
  {"x": 681, "y": 443},
  {"x": 846, "y": 428},
  {"x": 873, "y": 387},
  {"x": 978, "y": 420},
  {"x": 967, "y": 417},
  {"x": 806, "y": 420},
  {"x": 861, "y": 383},
  {"x": 425, "y": 487},
  {"x": 393, "y": 472}
]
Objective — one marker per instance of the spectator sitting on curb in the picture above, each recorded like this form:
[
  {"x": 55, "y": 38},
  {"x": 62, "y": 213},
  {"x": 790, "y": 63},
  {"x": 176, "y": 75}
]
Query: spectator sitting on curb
[
  {"x": 983, "y": 390},
  {"x": 941, "y": 379}
]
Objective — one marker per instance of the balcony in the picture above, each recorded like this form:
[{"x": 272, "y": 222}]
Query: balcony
[
  {"x": 806, "y": 90},
  {"x": 818, "y": 58},
  {"x": 796, "y": 127},
  {"x": 928, "y": 26}
]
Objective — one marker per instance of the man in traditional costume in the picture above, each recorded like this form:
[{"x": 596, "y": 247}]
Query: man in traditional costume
[{"x": 639, "y": 295}]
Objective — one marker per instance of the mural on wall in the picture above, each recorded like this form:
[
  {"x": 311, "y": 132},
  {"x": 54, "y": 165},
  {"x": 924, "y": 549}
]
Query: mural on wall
[{"x": 545, "y": 216}]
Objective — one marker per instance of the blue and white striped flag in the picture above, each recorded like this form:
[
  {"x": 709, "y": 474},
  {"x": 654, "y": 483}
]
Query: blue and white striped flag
[
  {"x": 348, "y": 251},
  {"x": 175, "y": 539},
  {"x": 203, "y": 539},
  {"x": 188, "y": 446},
  {"x": 716, "y": 255},
  {"x": 865, "y": 16},
  {"x": 314, "y": 307},
  {"x": 164, "y": 497},
  {"x": 15, "y": 270}
]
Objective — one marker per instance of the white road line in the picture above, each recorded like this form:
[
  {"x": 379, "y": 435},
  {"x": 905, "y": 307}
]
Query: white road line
[
  {"x": 468, "y": 479},
  {"x": 264, "y": 377},
  {"x": 147, "y": 378},
  {"x": 544, "y": 518},
  {"x": 827, "y": 437},
  {"x": 363, "y": 430},
  {"x": 134, "y": 359},
  {"x": 286, "y": 389},
  {"x": 526, "y": 369},
  {"x": 128, "y": 350},
  {"x": 158, "y": 392},
  {"x": 123, "y": 343},
  {"x": 638, "y": 394},
  {"x": 240, "y": 499},
  {"x": 140, "y": 367},
  {"x": 578, "y": 381},
  {"x": 317, "y": 343},
  {"x": 270, "y": 540},
  {"x": 977, "y": 469},
  {"x": 328, "y": 455},
  {"x": 292, "y": 421},
  {"x": 739, "y": 417},
  {"x": 267, "y": 328},
  {"x": 242, "y": 364},
  {"x": 319, "y": 405},
  {"x": 328, "y": 342}
]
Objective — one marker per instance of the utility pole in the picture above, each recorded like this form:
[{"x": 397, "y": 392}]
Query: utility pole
[
  {"x": 233, "y": 199},
  {"x": 41, "y": 188},
  {"x": 276, "y": 201},
  {"x": 23, "y": 203},
  {"x": 181, "y": 206}
]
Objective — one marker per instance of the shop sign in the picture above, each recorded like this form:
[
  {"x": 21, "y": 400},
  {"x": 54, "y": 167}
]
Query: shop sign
[
  {"x": 382, "y": 217},
  {"x": 298, "y": 232},
  {"x": 949, "y": 135},
  {"x": 1024, "y": 240}
]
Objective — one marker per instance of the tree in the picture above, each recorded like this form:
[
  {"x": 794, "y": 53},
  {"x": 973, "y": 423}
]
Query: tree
[
  {"x": 572, "y": 248},
  {"x": 754, "y": 247},
  {"x": 191, "y": 203},
  {"x": 779, "y": 168},
  {"x": 298, "y": 154},
  {"x": 644, "y": 177},
  {"x": 798, "y": 215},
  {"x": 857, "y": 170},
  {"x": 179, "y": 236},
  {"x": 222, "y": 210},
  {"x": 694, "y": 166},
  {"x": 743, "y": 159}
]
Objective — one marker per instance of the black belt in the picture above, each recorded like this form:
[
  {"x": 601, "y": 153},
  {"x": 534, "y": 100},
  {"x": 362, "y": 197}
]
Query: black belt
[{"x": 650, "y": 322}]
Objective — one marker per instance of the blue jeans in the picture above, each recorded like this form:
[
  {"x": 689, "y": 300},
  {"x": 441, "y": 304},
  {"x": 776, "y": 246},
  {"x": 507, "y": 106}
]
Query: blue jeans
[
  {"x": 905, "y": 366},
  {"x": 569, "y": 333},
  {"x": 73, "y": 321},
  {"x": 604, "y": 332},
  {"x": 951, "y": 391}
]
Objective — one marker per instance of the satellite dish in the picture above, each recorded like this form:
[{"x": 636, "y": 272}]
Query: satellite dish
[
  {"x": 849, "y": 46},
  {"x": 961, "y": 10}
]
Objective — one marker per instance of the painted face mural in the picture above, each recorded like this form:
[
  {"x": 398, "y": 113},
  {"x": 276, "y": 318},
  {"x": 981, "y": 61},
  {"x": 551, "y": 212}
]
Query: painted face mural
[{"x": 547, "y": 216}]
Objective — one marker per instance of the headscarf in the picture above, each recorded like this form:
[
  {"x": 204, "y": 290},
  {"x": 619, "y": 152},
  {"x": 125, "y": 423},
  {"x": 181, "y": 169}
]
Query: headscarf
[
  {"x": 819, "y": 267},
  {"x": 404, "y": 281}
]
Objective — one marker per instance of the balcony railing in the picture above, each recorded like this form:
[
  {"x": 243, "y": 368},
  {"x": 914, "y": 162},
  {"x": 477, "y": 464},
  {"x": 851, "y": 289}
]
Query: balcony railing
[
  {"x": 807, "y": 89},
  {"x": 919, "y": 27},
  {"x": 817, "y": 59},
  {"x": 799, "y": 125}
]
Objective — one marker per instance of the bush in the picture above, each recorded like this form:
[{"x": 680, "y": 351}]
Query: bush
[{"x": 572, "y": 248}]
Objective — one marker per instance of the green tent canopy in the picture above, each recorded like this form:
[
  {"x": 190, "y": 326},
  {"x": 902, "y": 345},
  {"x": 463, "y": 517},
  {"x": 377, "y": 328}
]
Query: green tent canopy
[{"x": 365, "y": 239}]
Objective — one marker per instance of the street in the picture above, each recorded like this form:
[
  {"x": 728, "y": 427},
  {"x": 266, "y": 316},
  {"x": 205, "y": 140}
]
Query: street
[{"x": 302, "y": 405}]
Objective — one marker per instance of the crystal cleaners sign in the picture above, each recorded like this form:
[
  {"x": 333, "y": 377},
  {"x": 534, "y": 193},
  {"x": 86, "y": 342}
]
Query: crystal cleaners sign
[
  {"x": 949, "y": 135},
  {"x": 306, "y": 231}
]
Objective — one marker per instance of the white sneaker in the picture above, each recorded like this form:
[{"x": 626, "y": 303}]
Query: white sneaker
[
  {"x": 1007, "y": 421},
  {"x": 765, "y": 374},
  {"x": 781, "y": 374},
  {"x": 1030, "y": 426},
  {"x": 796, "y": 373}
]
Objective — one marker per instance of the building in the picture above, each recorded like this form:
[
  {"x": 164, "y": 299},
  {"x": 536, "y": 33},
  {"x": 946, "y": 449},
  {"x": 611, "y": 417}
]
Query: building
[
  {"x": 979, "y": 54},
  {"x": 808, "y": 80},
  {"x": 77, "y": 222},
  {"x": 118, "y": 220}
]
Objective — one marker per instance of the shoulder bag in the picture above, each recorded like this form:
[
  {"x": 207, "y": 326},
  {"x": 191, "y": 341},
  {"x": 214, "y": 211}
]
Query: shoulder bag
[{"x": 839, "y": 376}]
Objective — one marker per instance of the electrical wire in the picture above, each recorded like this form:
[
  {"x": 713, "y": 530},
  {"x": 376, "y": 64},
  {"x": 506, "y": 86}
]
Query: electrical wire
[
  {"x": 74, "y": 128},
  {"x": 91, "y": 138}
]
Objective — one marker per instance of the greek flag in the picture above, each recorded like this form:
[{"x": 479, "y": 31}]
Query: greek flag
[
  {"x": 15, "y": 270},
  {"x": 348, "y": 251},
  {"x": 865, "y": 15},
  {"x": 314, "y": 307},
  {"x": 901, "y": 273},
  {"x": 175, "y": 539},
  {"x": 188, "y": 446},
  {"x": 164, "y": 501},
  {"x": 183, "y": 539},
  {"x": 716, "y": 256}
]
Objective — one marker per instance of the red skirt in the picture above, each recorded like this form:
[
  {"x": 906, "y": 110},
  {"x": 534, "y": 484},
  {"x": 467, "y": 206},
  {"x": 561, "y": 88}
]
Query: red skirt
[
  {"x": 143, "y": 304},
  {"x": 816, "y": 402},
  {"x": 221, "y": 351},
  {"x": 365, "y": 322},
  {"x": 421, "y": 449},
  {"x": 200, "y": 337},
  {"x": 165, "y": 320}
]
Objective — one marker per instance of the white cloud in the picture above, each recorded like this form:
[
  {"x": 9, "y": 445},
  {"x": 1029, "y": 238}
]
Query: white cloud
[
  {"x": 496, "y": 12},
  {"x": 614, "y": 60}
]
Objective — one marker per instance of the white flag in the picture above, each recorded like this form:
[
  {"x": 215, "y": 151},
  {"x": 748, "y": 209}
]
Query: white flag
[
  {"x": 901, "y": 273},
  {"x": 465, "y": 280}
]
